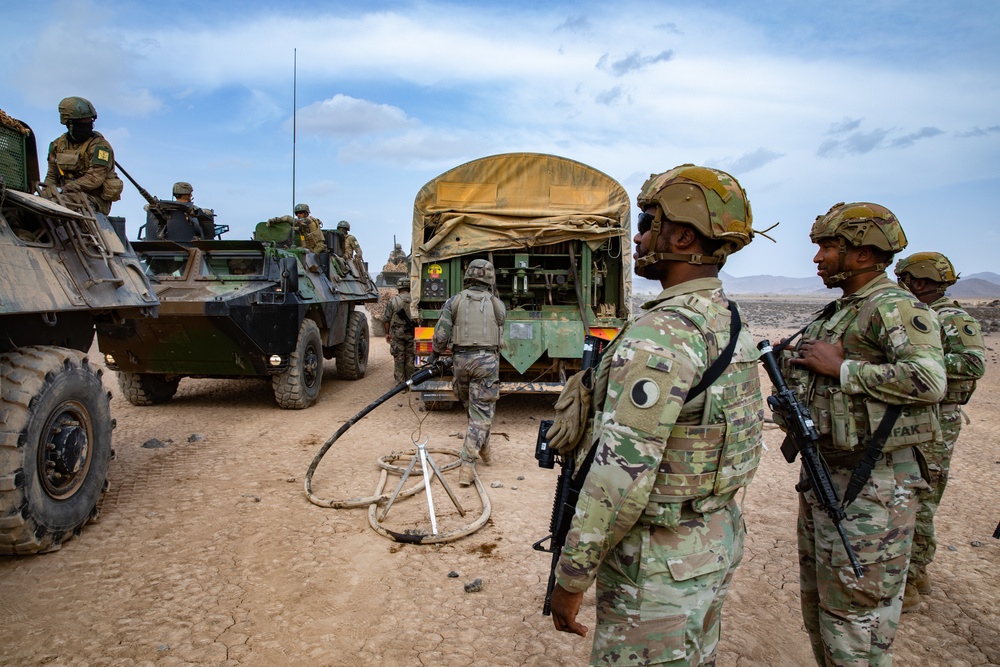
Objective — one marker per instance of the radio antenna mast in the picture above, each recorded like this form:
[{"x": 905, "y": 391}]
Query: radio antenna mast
[{"x": 295, "y": 69}]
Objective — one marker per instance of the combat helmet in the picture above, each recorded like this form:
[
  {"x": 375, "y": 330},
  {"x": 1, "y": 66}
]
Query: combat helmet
[
  {"x": 398, "y": 247},
  {"x": 481, "y": 271},
  {"x": 710, "y": 200},
  {"x": 76, "y": 108},
  {"x": 859, "y": 224},
  {"x": 932, "y": 266},
  {"x": 301, "y": 208},
  {"x": 345, "y": 225},
  {"x": 403, "y": 284},
  {"x": 182, "y": 188}
]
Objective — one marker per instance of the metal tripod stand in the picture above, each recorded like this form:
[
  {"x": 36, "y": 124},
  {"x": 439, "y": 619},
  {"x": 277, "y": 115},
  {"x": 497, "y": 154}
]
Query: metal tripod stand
[{"x": 427, "y": 467}]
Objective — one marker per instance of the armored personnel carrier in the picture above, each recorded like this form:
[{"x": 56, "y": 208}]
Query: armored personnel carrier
[
  {"x": 64, "y": 268},
  {"x": 234, "y": 309}
]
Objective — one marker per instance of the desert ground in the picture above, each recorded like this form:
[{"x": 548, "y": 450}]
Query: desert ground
[{"x": 207, "y": 551}]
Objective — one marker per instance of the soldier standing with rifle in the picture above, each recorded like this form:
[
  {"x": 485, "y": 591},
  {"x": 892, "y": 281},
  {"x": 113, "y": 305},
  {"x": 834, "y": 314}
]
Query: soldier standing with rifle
[
  {"x": 928, "y": 275},
  {"x": 871, "y": 370},
  {"x": 675, "y": 434}
]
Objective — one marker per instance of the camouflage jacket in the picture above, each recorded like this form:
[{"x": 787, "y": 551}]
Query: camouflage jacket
[
  {"x": 399, "y": 326},
  {"x": 964, "y": 350},
  {"x": 352, "y": 249},
  {"x": 84, "y": 167},
  {"x": 308, "y": 231},
  {"x": 893, "y": 356},
  {"x": 443, "y": 328},
  {"x": 640, "y": 400}
]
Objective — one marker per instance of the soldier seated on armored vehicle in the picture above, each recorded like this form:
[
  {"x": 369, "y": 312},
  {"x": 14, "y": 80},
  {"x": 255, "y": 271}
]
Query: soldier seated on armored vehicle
[{"x": 26, "y": 225}]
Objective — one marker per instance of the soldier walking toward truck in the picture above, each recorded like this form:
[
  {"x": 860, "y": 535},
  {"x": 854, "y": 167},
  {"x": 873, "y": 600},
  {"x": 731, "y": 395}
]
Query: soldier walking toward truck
[
  {"x": 928, "y": 275},
  {"x": 471, "y": 323},
  {"x": 400, "y": 332}
]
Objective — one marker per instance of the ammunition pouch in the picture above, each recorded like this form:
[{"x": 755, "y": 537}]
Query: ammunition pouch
[
  {"x": 850, "y": 421},
  {"x": 112, "y": 188},
  {"x": 959, "y": 391}
]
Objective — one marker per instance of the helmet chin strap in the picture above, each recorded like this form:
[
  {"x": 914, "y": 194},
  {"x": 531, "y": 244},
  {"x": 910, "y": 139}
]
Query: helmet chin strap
[
  {"x": 841, "y": 275},
  {"x": 651, "y": 257}
]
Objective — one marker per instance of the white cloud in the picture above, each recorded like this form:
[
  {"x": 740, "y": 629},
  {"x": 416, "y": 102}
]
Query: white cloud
[{"x": 345, "y": 115}]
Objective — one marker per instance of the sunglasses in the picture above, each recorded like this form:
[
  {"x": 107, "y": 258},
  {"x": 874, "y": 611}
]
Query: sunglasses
[{"x": 645, "y": 222}]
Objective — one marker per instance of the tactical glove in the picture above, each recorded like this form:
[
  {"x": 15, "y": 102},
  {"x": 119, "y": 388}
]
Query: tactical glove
[
  {"x": 572, "y": 412},
  {"x": 432, "y": 359}
]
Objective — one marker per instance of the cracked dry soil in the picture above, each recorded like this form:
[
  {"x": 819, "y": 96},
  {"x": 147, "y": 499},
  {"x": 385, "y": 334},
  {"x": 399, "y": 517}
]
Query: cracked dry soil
[{"x": 208, "y": 553}]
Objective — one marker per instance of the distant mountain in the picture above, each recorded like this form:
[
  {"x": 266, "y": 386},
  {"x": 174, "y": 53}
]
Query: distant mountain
[
  {"x": 975, "y": 288},
  {"x": 985, "y": 285}
]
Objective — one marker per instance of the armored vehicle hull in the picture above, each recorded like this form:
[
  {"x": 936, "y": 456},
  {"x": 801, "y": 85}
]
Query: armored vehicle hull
[
  {"x": 232, "y": 309},
  {"x": 64, "y": 268}
]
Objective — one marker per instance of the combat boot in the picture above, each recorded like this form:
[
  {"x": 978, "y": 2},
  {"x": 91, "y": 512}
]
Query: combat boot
[
  {"x": 485, "y": 453},
  {"x": 467, "y": 474},
  {"x": 911, "y": 597},
  {"x": 920, "y": 579}
]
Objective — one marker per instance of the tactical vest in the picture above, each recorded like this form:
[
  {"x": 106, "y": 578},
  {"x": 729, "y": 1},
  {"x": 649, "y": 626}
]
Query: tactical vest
[
  {"x": 849, "y": 420},
  {"x": 474, "y": 322},
  {"x": 75, "y": 161},
  {"x": 704, "y": 464}
]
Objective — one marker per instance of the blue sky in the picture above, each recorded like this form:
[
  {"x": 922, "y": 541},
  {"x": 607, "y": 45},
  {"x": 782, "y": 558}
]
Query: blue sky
[{"x": 806, "y": 104}]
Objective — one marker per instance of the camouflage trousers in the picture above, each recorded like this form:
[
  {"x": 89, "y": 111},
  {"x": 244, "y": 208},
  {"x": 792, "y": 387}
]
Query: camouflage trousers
[
  {"x": 938, "y": 457},
  {"x": 660, "y": 591},
  {"x": 403, "y": 355},
  {"x": 852, "y": 622},
  {"x": 477, "y": 383}
]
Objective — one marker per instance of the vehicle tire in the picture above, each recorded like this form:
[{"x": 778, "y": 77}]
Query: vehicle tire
[
  {"x": 439, "y": 406},
  {"x": 55, "y": 446},
  {"x": 298, "y": 387},
  {"x": 147, "y": 388},
  {"x": 352, "y": 354}
]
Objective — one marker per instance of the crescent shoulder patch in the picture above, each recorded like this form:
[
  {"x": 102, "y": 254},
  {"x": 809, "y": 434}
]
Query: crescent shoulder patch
[{"x": 644, "y": 393}]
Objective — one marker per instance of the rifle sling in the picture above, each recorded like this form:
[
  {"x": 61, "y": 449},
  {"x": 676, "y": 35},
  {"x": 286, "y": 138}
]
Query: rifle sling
[{"x": 873, "y": 452}]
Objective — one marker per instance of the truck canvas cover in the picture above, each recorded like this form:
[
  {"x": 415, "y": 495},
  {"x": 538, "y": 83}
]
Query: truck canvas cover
[{"x": 517, "y": 201}]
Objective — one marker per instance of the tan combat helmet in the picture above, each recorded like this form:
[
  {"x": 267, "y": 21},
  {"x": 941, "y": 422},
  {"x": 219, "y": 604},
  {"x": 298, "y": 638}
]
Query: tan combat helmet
[
  {"x": 182, "y": 188},
  {"x": 403, "y": 284},
  {"x": 76, "y": 108},
  {"x": 710, "y": 200},
  {"x": 932, "y": 266},
  {"x": 859, "y": 224},
  {"x": 301, "y": 208},
  {"x": 481, "y": 271}
]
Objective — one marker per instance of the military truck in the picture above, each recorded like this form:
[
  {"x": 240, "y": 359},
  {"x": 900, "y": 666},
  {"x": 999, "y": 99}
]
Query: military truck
[
  {"x": 557, "y": 232},
  {"x": 64, "y": 268},
  {"x": 265, "y": 307}
]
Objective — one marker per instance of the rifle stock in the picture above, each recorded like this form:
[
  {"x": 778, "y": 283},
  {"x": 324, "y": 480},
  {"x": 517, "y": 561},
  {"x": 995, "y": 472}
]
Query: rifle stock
[{"x": 802, "y": 438}]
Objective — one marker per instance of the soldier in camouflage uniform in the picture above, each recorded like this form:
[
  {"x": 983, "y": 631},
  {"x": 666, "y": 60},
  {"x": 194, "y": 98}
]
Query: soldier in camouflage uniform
[
  {"x": 928, "y": 275},
  {"x": 875, "y": 347},
  {"x": 399, "y": 333},
  {"x": 471, "y": 323},
  {"x": 81, "y": 160},
  {"x": 205, "y": 217},
  {"x": 657, "y": 523},
  {"x": 352, "y": 249},
  {"x": 397, "y": 256},
  {"x": 308, "y": 230}
]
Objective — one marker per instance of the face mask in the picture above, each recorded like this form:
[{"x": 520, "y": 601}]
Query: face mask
[{"x": 81, "y": 130}]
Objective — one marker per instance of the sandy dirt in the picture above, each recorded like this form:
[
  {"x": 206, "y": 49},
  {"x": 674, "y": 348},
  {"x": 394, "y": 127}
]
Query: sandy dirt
[{"x": 207, "y": 551}]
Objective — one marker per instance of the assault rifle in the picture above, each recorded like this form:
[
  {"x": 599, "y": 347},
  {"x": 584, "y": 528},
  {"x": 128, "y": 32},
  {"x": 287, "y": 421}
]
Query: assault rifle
[
  {"x": 802, "y": 437},
  {"x": 568, "y": 486}
]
